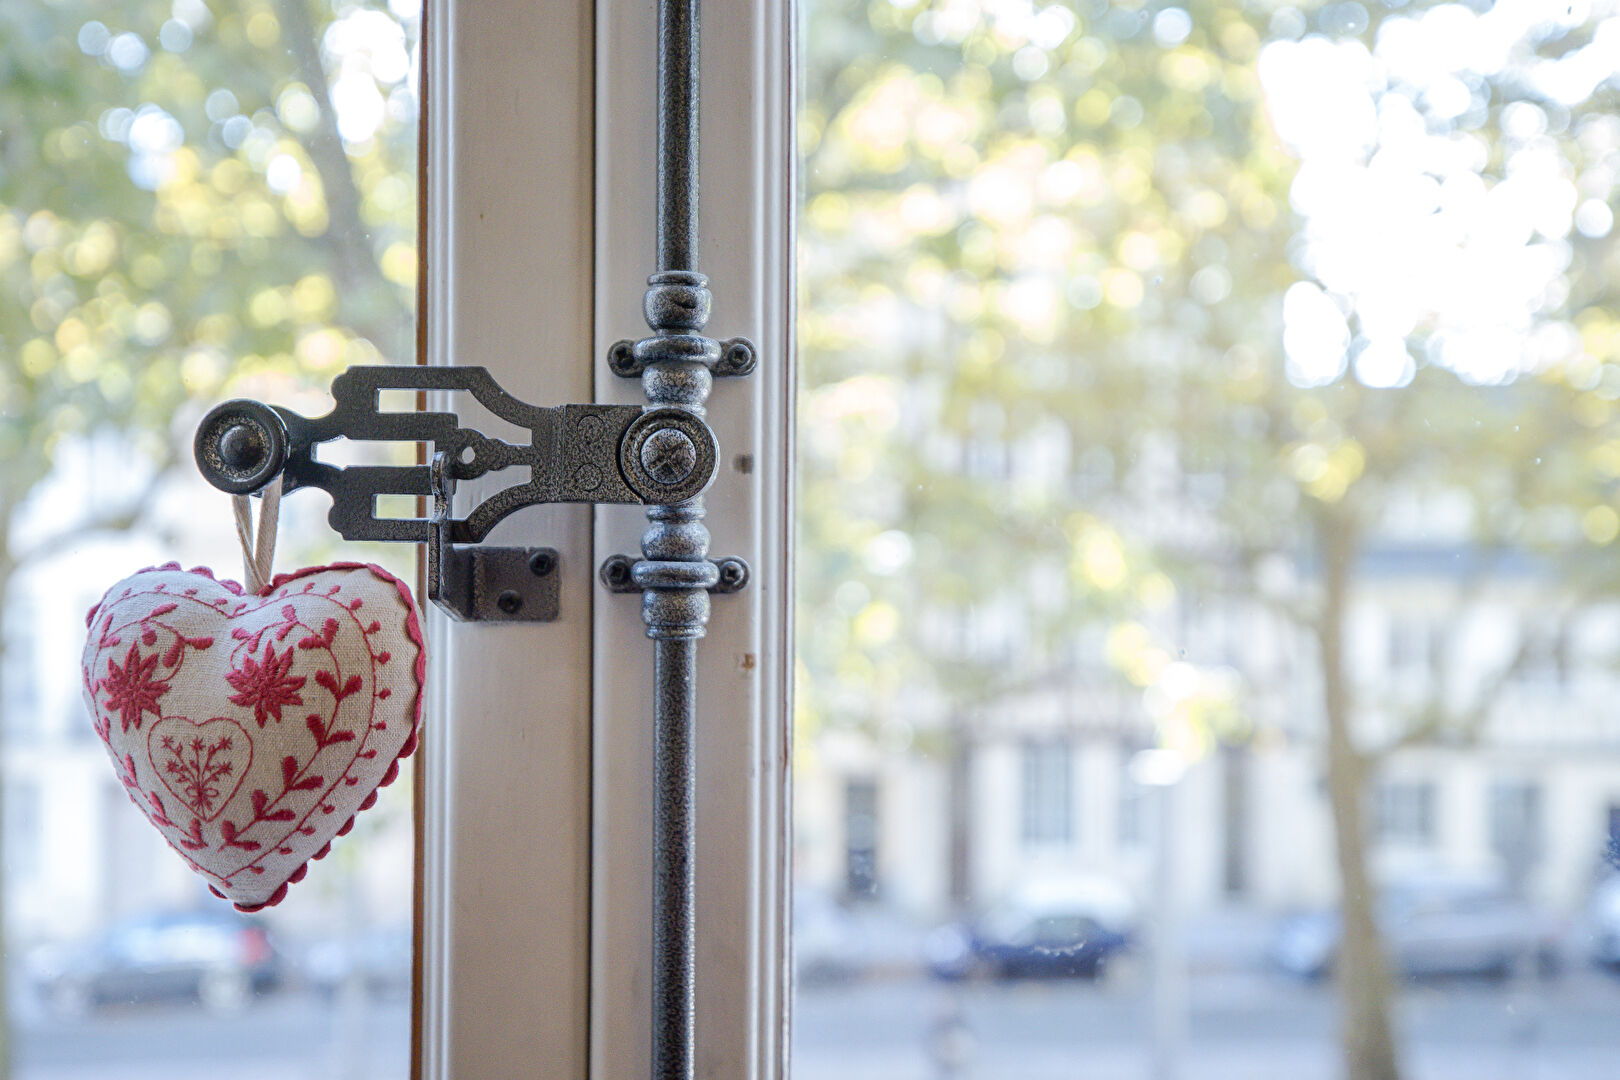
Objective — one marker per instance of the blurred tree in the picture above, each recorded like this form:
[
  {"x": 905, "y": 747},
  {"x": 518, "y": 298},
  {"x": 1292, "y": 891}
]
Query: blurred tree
[
  {"x": 193, "y": 197},
  {"x": 991, "y": 193},
  {"x": 1063, "y": 333}
]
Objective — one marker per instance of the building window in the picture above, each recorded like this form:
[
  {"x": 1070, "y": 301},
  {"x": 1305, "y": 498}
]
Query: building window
[
  {"x": 1048, "y": 793},
  {"x": 1132, "y": 801},
  {"x": 1546, "y": 655},
  {"x": 25, "y": 826},
  {"x": 1415, "y": 646},
  {"x": 1405, "y": 812},
  {"x": 860, "y": 839},
  {"x": 1515, "y": 823},
  {"x": 20, "y": 704}
]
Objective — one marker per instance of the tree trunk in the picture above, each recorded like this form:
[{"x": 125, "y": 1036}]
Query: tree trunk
[
  {"x": 7, "y": 567},
  {"x": 1234, "y": 820},
  {"x": 1365, "y": 987},
  {"x": 959, "y": 818},
  {"x": 354, "y": 264}
]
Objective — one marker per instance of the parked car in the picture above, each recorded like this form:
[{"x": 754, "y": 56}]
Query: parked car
[
  {"x": 1441, "y": 925},
  {"x": 1604, "y": 918},
  {"x": 1065, "y": 926},
  {"x": 828, "y": 943},
  {"x": 218, "y": 958},
  {"x": 380, "y": 958},
  {"x": 838, "y": 940}
]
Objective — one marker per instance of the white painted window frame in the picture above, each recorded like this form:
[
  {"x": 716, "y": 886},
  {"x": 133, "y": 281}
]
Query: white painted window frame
[{"x": 536, "y": 928}]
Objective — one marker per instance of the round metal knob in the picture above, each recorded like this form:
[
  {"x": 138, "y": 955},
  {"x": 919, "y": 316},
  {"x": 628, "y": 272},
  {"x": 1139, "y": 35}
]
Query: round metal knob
[
  {"x": 668, "y": 456},
  {"x": 240, "y": 446}
]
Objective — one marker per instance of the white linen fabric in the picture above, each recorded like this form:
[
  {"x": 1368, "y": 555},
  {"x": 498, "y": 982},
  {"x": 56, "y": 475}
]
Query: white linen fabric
[{"x": 251, "y": 728}]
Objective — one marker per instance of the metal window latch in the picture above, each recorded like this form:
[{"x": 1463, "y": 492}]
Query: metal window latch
[{"x": 575, "y": 453}]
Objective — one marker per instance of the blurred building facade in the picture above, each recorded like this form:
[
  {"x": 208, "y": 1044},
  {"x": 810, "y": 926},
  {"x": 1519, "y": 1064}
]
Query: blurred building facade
[
  {"x": 1519, "y": 786},
  {"x": 1527, "y": 794}
]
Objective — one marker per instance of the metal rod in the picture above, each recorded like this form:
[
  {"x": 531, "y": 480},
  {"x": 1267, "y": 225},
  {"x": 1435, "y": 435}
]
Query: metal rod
[
  {"x": 674, "y": 938},
  {"x": 675, "y": 607},
  {"x": 675, "y": 573},
  {"x": 677, "y": 134}
]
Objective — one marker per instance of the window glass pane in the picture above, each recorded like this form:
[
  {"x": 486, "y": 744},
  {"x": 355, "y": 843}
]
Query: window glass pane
[
  {"x": 197, "y": 201},
  {"x": 860, "y": 838},
  {"x": 1047, "y": 808},
  {"x": 1207, "y": 454}
]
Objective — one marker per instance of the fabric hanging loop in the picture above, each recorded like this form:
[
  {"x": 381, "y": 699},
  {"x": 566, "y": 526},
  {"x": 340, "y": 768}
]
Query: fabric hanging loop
[{"x": 258, "y": 546}]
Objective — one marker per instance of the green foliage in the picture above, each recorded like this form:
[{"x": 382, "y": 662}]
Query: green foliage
[
  {"x": 1004, "y": 229},
  {"x": 179, "y": 215},
  {"x": 1044, "y": 254}
]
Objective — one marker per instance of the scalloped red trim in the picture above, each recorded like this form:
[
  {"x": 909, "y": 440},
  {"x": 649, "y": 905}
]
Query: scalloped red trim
[{"x": 413, "y": 630}]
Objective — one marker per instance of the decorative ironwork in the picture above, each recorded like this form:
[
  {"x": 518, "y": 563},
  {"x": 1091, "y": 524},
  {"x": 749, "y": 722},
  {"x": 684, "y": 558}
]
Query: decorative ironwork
[
  {"x": 572, "y": 453},
  {"x": 575, "y": 453}
]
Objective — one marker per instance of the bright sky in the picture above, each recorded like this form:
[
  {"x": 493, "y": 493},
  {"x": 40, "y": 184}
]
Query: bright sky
[
  {"x": 1402, "y": 231},
  {"x": 367, "y": 47}
]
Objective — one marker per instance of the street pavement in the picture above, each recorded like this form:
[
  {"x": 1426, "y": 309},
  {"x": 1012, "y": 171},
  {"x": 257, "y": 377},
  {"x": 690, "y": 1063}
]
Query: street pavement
[
  {"x": 1241, "y": 1026},
  {"x": 282, "y": 1036}
]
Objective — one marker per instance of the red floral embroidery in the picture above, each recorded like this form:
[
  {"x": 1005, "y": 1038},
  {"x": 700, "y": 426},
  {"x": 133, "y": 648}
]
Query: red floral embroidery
[
  {"x": 133, "y": 689},
  {"x": 248, "y": 806},
  {"x": 267, "y": 686},
  {"x": 193, "y": 840},
  {"x": 197, "y": 768}
]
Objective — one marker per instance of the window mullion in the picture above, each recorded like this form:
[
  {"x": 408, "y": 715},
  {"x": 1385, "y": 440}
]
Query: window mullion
[
  {"x": 507, "y": 745},
  {"x": 745, "y": 661}
]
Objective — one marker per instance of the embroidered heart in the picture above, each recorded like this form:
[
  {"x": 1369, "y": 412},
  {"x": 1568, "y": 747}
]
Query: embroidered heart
[
  {"x": 250, "y": 729},
  {"x": 202, "y": 765}
]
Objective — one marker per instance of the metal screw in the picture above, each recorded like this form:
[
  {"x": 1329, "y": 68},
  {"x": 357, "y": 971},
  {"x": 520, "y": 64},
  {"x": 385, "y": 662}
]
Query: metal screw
[
  {"x": 616, "y": 572},
  {"x": 241, "y": 447},
  {"x": 737, "y": 358},
  {"x": 622, "y": 359},
  {"x": 669, "y": 456},
  {"x": 509, "y": 602},
  {"x": 542, "y": 563},
  {"x": 733, "y": 575}
]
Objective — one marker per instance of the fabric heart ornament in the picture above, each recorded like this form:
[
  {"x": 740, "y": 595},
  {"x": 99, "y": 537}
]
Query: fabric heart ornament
[{"x": 251, "y": 727}]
